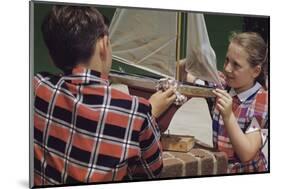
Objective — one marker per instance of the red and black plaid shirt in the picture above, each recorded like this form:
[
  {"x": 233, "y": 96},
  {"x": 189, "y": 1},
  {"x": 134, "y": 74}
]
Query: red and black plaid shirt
[{"x": 85, "y": 131}]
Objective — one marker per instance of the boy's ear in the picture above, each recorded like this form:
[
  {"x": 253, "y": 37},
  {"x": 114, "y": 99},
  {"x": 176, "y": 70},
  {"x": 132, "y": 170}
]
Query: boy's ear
[{"x": 103, "y": 47}]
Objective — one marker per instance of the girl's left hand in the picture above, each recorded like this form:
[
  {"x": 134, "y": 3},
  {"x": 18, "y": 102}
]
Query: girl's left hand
[
  {"x": 224, "y": 103},
  {"x": 222, "y": 78}
]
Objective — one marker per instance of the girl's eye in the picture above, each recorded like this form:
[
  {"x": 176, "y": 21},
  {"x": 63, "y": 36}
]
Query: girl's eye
[
  {"x": 236, "y": 65},
  {"x": 226, "y": 60}
]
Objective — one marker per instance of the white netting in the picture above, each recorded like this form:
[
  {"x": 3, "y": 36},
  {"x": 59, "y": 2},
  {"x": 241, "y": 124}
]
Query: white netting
[
  {"x": 200, "y": 56},
  {"x": 145, "y": 38}
]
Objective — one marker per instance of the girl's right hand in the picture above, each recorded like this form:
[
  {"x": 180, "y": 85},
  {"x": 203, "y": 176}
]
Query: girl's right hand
[
  {"x": 190, "y": 78},
  {"x": 224, "y": 103},
  {"x": 222, "y": 78}
]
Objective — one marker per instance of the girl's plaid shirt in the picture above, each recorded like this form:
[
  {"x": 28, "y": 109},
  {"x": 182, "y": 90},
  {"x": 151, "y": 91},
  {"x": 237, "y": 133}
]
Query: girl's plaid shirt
[{"x": 251, "y": 113}]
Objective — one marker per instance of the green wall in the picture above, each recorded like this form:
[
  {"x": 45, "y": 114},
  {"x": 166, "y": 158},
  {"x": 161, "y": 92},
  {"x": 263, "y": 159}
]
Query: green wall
[
  {"x": 42, "y": 61},
  {"x": 219, "y": 28}
]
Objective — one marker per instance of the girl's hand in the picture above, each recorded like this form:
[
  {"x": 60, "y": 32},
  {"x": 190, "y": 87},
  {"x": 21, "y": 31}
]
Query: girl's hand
[
  {"x": 160, "y": 101},
  {"x": 222, "y": 78},
  {"x": 224, "y": 103},
  {"x": 190, "y": 78}
]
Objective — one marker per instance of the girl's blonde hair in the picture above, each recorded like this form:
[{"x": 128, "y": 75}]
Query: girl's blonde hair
[{"x": 257, "y": 50}]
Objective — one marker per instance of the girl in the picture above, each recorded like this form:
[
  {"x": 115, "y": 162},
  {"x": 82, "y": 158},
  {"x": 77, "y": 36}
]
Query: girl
[{"x": 240, "y": 114}]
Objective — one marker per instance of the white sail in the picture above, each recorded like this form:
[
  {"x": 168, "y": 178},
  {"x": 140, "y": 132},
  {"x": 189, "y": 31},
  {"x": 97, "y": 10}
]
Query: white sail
[
  {"x": 200, "y": 56},
  {"x": 145, "y": 39}
]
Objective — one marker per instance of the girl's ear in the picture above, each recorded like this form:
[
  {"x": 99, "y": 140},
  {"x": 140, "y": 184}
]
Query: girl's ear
[{"x": 256, "y": 71}]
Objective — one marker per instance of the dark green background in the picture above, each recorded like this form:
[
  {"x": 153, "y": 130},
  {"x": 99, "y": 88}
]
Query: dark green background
[{"x": 219, "y": 28}]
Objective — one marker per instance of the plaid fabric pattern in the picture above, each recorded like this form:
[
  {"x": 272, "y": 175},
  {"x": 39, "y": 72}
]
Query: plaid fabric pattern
[
  {"x": 85, "y": 131},
  {"x": 251, "y": 114}
]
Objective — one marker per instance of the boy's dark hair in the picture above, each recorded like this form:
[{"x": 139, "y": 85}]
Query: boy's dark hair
[{"x": 71, "y": 32}]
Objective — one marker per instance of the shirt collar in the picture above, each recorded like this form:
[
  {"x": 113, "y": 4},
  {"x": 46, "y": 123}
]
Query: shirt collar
[
  {"x": 246, "y": 94},
  {"x": 82, "y": 75}
]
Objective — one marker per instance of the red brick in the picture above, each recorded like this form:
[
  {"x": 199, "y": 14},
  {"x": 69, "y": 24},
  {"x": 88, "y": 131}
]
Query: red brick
[
  {"x": 205, "y": 159},
  {"x": 190, "y": 163},
  {"x": 221, "y": 162},
  {"x": 208, "y": 161},
  {"x": 172, "y": 168}
]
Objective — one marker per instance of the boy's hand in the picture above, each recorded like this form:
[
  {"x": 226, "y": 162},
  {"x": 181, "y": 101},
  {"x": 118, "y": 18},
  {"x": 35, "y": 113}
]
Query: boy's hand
[
  {"x": 160, "y": 101},
  {"x": 224, "y": 103}
]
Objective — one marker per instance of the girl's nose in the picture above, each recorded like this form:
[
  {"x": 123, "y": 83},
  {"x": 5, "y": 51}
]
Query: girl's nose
[{"x": 227, "y": 68}]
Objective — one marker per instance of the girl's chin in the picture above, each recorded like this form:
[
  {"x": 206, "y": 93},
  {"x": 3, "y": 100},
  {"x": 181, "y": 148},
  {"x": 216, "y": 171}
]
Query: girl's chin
[{"x": 230, "y": 83}]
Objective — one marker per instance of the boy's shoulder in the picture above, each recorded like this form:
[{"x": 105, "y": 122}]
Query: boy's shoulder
[
  {"x": 46, "y": 76},
  {"x": 142, "y": 103},
  {"x": 43, "y": 79}
]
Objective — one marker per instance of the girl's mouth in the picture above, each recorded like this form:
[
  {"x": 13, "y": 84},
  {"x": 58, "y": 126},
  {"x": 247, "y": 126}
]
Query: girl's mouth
[{"x": 229, "y": 77}]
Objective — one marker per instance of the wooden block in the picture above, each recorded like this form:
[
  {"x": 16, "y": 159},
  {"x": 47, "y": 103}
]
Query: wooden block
[
  {"x": 177, "y": 143},
  {"x": 196, "y": 91}
]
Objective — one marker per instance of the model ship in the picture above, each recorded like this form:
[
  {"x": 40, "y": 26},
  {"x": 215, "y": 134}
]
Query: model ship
[{"x": 149, "y": 40}]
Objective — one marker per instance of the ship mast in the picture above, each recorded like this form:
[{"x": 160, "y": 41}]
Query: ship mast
[{"x": 178, "y": 44}]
